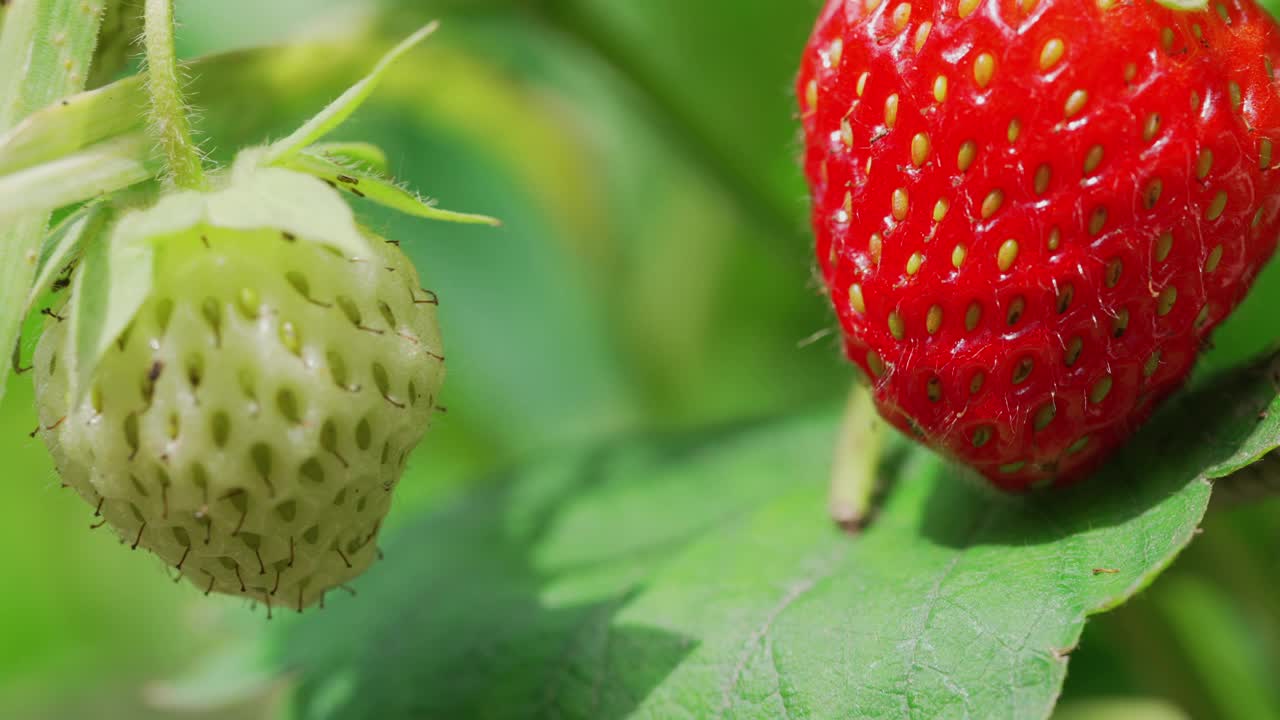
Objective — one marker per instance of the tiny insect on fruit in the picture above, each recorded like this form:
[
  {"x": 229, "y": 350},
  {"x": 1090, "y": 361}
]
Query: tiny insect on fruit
[
  {"x": 1031, "y": 214},
  {"x": 250, "y": 423}
]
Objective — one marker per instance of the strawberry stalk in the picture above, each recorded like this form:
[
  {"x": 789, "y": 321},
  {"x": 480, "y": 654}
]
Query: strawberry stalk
[
  {"x": 1185, "y": 4},
  {"x": 856, "y": 466},
  {"x": 170, "y": 124}
]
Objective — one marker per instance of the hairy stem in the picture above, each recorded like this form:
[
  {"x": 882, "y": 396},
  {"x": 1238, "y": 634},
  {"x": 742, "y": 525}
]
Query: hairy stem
[{"x": 170, "y": 123}]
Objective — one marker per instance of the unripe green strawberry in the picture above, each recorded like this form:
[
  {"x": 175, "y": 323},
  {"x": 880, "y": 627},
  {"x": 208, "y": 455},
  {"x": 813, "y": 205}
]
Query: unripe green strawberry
[{"x": 251, "y": 422}]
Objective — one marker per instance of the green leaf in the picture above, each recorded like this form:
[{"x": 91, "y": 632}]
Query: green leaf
[
  {"x": 293, "y": 202},
  {"x": 46, "y": 47},
  {"x": 113, "y": 281},
  {"x": 97, "y": 170},
  {"x": 74, "y": 124},
  {"x": 64, "y": 245},
  {"x": 362, "y": 155},
  {"x": 365, "y": 184},
  {"x": 700, "y": 577},
  {"x": 1260, "y": 426},
  {"x": 342, "y": 108},
  {"x": 255, "y": 199}
]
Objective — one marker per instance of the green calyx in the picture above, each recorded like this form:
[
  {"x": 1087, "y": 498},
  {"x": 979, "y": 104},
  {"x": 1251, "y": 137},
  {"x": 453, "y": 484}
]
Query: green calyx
[{"x": 118, "y": 272}]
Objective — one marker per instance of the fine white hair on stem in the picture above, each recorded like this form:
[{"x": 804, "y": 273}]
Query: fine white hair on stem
[{"x": 170, "y": 121}]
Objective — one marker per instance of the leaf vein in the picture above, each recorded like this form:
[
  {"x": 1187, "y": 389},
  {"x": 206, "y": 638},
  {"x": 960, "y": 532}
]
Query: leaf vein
[{"x": 798, "y": 590}]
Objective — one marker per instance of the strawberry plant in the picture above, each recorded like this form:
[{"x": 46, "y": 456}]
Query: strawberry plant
[
  {"x": 233, "y": 372},
  {"x": 622, "y": 512}
]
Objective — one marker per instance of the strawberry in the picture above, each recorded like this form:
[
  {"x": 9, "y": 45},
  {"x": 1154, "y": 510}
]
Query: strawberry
[
  {"x": 1031, "y": 214},
  {"x": 250, "y": 423}
]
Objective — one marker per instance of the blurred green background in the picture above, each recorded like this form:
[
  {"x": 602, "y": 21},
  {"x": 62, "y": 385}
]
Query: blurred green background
[{"x": 653, "y": 272}]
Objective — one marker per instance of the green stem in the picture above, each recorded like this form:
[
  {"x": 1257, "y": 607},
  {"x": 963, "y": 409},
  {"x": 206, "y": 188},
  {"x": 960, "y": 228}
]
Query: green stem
[
  {"x": 169, "y": 120},
  {"x": 855, "y": 472}
]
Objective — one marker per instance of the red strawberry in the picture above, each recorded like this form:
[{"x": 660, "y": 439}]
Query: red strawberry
[{"x": 1031, "y": 213}]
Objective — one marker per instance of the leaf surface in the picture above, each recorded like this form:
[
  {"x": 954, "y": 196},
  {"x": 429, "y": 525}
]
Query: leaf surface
[
  {"x": 364, "y": 155},
  {"x": 63, "y": 246},
  {"x": 46, "y": 47},
  {"x": 274, "y": 198},
  {"x": 97, "y": 170},
  {"x": 114, "y": 280},
  {"x": 76, "y": 123},
  {"x": 699, "y": 577},
  {"x": 376, "y": 188}
]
